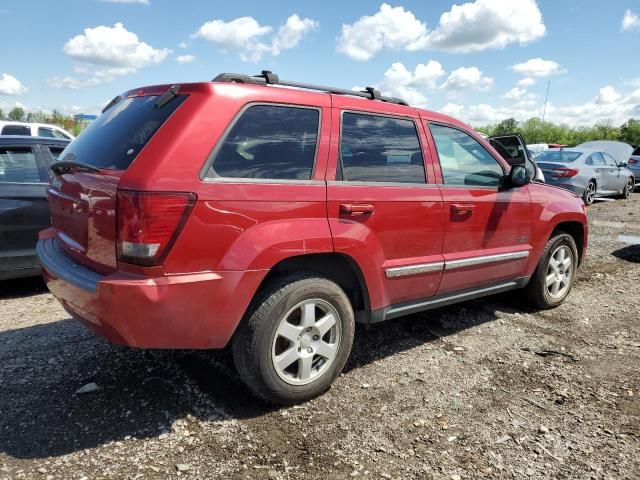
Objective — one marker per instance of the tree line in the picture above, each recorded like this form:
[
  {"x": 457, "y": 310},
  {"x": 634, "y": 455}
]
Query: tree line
[
  {"x": 68, "y": 122},
  {"x": 535, "y": 130}
]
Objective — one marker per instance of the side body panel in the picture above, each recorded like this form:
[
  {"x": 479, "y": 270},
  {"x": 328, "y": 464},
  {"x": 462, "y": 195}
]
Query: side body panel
[
  {"x": 23, "y": 213},
  {"x": 487, "y": 229},
  {"x": 398, "y": 245}
]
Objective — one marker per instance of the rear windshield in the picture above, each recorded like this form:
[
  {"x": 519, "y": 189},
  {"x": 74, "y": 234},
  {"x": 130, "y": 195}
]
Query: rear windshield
[
  {"x": 16, "y": 130},
  {"x": 636, "y": 151},
  {"x": 560, "y": 156},
  {"x": 116, "y": 137}
]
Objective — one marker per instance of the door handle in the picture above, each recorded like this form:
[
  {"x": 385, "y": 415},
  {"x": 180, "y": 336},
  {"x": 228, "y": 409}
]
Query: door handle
[
  {"x": 356, "y": 208},
  {"x": 462, "y": 208}
]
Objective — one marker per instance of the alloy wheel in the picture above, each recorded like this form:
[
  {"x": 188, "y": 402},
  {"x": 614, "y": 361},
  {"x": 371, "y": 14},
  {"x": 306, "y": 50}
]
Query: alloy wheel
[
  {"x": 591, "y": 193},
  {"x": 559, "y": 272},
  {"x": 306, "y": 342}
]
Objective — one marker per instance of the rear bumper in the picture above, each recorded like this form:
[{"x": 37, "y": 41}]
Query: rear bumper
[{"x": 195, "y": 310}]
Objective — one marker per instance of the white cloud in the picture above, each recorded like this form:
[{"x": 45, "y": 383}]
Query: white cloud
[
  {"x": 10, "y": 85},
  {"x": 484, "y": 24},
  {"x": 245, "y": 34},
  {"x": 526, "y": 82},
  {"x": 470, "y": 27},
  {"x": 400, "y": 82},
  {"x": 515, "y": 93},
  {"x": 141, "y": 2},
  {"x": 453, "y": 109},
  {"x": 183, "y": 45},
  {"x": 467, "y": 77},
  {"x": 185, "y": 58},
  {"x": 537, "y": 67},
  {"x": 608, "y": 105},
  {"x": 105, "y": 53},
  {"x": 630, "y": 21},
  {"x": 608, "y": 94},
  {"x": 113, "y": 46},
  {"x": 391, "y": 27}
]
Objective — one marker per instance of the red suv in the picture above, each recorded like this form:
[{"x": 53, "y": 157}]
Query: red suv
[{"x": 241, "y": 212}]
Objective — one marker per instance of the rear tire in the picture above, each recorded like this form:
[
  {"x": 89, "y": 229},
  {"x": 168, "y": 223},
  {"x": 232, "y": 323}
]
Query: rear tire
[
  {"x": 589, "y": 194},
  {"x": 628, "y": 189},
  {"x": 556, "y": 271},
  {"x": 295, "y": 340}
]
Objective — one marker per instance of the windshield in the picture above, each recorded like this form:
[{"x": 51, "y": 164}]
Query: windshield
[
  {"x": 116, "y": 137},
  {"x": 559, "y": 156}
]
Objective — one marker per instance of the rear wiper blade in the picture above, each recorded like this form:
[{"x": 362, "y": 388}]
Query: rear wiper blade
[
  {"x": 168, "y": 96},
  {"x": 67, "y": 166}
]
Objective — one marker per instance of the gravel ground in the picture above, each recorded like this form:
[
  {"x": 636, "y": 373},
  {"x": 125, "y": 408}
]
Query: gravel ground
[{"x": 486, "y": 389}]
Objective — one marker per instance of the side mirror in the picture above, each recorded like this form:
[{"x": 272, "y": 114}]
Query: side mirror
[
  {"x": 622, "y": 164},
  {"x": 519, "y": 176}
]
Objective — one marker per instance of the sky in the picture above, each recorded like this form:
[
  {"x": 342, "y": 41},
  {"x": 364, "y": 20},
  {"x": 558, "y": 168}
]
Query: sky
[{"x": 481, "y": 61}]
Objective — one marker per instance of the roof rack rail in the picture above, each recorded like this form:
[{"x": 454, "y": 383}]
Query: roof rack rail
[{"x": 267, "y": 77}]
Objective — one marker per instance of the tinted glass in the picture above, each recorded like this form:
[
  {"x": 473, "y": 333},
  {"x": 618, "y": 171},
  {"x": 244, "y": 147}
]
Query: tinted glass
[
  {"x": 595, "y": 159},
  {"x": 51, "y": 133},
  {"x": 463, "y": 160},
  {"x": 46, "y": 132},
  {"x": 380, "y": 149},
  {"x": 116, "y": 137},
  {"x": 510, "y": 149},
  {"x": 608, "y": 160},
  {"x": 18, "y": 165},
  {"x": 16, "y": 130},
  {"x": 559, "y": 156},
  {"x": 55, "y": 152},
  {"x": 269, "y": 142},
  {"x": 636, "y": 152}
]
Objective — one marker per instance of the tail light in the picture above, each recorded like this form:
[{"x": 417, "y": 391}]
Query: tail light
[
  {"x": 565, "y": 172},
  {"x": 148, "y": 224},
  {"x": 632, "y": 161}
]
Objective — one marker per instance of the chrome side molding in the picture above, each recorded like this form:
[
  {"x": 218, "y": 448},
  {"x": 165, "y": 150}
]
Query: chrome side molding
[
  {"x": 499, "y": 257},
  {"x": 394, "y": 272},
  {"x": 413, "y": 269}
]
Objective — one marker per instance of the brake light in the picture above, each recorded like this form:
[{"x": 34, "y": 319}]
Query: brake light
[
  {"x": 565, "y": 172},
  {"x": 148, "y": 224},
  {"x": 632, "y": 161}
]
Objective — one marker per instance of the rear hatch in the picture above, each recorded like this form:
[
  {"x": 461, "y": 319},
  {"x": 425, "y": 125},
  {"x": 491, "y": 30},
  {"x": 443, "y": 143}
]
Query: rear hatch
[{"x": 83, "y": 196}]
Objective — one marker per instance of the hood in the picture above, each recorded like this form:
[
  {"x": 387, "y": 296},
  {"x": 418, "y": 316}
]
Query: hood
[{"x": 618, "y": 150}]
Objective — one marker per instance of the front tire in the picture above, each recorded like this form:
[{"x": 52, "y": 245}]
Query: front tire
[
  {"x": 556, "y": 271},
  {"x": 589, "y": 194},
  {"x": 295, "y": 340}
]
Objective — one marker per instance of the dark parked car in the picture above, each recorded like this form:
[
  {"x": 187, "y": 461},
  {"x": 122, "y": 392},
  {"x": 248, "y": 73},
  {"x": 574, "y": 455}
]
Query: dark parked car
[
  {"x": 243, "y": 212},
  {"x": 24, "y": 177}
]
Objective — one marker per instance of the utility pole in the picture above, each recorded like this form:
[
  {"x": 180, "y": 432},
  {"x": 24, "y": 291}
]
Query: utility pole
[
  {"x": 546, "y": 97},
  {"x": 544, "y": 110}
]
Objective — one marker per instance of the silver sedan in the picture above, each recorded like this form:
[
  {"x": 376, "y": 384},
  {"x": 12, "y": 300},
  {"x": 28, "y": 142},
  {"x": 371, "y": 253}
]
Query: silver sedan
[{"x": 587, "y": 172}]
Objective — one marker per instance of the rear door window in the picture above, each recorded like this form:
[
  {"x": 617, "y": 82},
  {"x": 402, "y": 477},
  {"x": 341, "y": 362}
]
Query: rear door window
[
  {"x": 269, "y": 142},
  {"x": 374, "y": 148},
  {"x": 21, "y": 130},
  {"x": 18, "y": 165},
  {"x": 115, "y": 138},
  {"x": 55, "y": 152}
]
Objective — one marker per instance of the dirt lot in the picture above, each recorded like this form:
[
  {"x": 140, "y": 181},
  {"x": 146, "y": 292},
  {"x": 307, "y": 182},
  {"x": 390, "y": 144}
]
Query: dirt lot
[{"x": 484, "y": 389}]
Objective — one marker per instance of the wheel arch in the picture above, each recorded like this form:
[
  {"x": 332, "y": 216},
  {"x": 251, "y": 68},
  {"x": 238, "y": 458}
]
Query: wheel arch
[
  {"x": 338, "y": 267},
  {"x": 577, "y": 232}
]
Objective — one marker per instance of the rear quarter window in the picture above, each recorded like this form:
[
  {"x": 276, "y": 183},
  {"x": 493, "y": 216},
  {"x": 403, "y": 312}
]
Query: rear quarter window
[
  {"x": 269, "y": 142},
  {"x": 18, "y": 165},
  {"x": 115, "y": 138}
]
